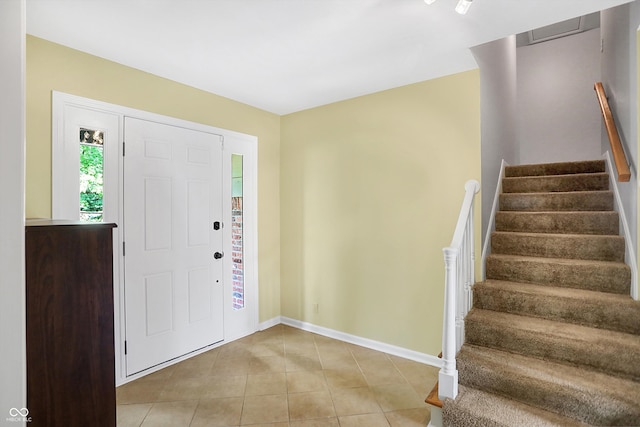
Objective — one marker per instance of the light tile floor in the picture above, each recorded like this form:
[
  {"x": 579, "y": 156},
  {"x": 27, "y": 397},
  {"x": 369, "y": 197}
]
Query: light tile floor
[{"x": 282, "y": 377}]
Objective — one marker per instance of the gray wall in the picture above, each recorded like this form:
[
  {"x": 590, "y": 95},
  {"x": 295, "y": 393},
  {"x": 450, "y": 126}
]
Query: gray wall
[
  {"x": 620, "y": 79},
  {"x": 12, "y": 137},
  {"x": 497, "y": 62},
  {"x": 537, "y": 104},
  {"x": 558, "y": 115}
]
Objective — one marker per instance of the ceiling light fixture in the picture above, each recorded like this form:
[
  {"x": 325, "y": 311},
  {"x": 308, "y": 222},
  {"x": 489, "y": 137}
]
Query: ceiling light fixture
[{"x": 463, "y": 6}]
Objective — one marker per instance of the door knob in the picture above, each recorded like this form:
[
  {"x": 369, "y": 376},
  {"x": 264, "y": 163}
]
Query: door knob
[{"x": 218, "y": 255}]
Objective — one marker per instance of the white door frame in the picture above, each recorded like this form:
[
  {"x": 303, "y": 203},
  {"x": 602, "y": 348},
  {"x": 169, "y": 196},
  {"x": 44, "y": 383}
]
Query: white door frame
[{"x": 234, "y": 142}]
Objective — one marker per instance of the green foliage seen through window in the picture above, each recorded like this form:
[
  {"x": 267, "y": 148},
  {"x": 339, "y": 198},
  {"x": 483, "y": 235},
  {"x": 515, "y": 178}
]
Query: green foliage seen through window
[{"x": 91, "y": 181}]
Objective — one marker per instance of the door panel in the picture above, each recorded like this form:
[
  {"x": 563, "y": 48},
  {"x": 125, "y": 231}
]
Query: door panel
[{"x": 173, "y": 283}]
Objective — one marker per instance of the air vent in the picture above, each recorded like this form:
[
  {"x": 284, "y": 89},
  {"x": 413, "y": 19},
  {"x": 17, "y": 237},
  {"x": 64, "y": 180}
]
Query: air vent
[{"x": 554, "y": 31}]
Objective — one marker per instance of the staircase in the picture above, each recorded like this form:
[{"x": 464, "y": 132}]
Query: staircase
[{"x": 553, "y": 338}]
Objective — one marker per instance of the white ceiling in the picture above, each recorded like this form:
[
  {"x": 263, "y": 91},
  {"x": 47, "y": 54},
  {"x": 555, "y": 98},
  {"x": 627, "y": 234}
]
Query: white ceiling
[{"x": 289, "y": 55}]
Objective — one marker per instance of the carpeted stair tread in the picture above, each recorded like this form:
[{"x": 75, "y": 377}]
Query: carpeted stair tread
[
  {"x": 603, "y": 276},
  {"x": 557, "y": 201},
  {"x": 553, "y": 326},
  {"x": 556, "y": 183},
  {"x": 573, "y": 246},
  {"x": 476, "y": 408},
  {"x": 602, "y": 310},
  {"x": 594, "y": 222},
  {"x": 615, "y": 353},
  {"x": 558, "y": 168},
  {"x": 589, "y": 396}
]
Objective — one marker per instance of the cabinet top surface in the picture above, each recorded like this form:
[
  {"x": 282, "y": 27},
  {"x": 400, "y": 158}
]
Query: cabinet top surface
[{"x": 29, "y": 223}]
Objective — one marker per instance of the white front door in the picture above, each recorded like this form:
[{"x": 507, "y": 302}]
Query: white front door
[
  {"x": 173, "y": 244},
  {"x": 167, "y": 166}
]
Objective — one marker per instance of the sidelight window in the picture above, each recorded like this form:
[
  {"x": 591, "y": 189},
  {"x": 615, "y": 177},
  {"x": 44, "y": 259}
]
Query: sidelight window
[
  {"x": 237, "y": 234},
  {"x": 91, "y": 174}
]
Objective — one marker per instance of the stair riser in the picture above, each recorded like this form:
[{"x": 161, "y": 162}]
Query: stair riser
[
  {"x": 564, "y": 399},
  {"x": 460, "y": 418},
  {"x": 596, "y": 314},
  {"x": 602, "y": 248},
  {"x": 560, "y": 183},
  {"x": 608, "y": 356},
  {"x": 477, "y": 408},
  {"x": 589, "y": 166},
  {"x": 615, "y": 278},
  {"x": 576, "y": 201},
  {"x": 598, "y": 223}
]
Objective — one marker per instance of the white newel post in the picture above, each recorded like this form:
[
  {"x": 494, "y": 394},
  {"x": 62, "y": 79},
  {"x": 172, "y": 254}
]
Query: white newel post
[{"x": 448, "y": 376}]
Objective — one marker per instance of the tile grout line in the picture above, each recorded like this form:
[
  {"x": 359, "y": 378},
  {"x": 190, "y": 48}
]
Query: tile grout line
[
  {"x": 323, "y": 352},
  {"x": 333, "y": 404}
]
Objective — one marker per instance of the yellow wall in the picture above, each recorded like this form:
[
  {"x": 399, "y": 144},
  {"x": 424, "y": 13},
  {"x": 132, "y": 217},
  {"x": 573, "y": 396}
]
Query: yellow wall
[
  {"x": 370, "y": 192},
  {"x": 356, "y": 198},
  {"x": 54, "y": 67}
]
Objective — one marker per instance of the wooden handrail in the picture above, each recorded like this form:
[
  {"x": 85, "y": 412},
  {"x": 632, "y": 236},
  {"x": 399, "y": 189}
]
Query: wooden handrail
[{"x": 619, "y": 158}]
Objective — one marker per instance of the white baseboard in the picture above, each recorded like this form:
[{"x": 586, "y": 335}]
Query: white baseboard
[
  {"x": 309, "y": 327},
  {"x": 630, "y": 256},
  {"x": 270, "y": 323},
  {"x": 353, "y": 339}
]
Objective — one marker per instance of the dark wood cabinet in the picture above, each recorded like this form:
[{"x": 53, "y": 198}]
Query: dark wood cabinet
[{"x": 70, "y": 339}]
